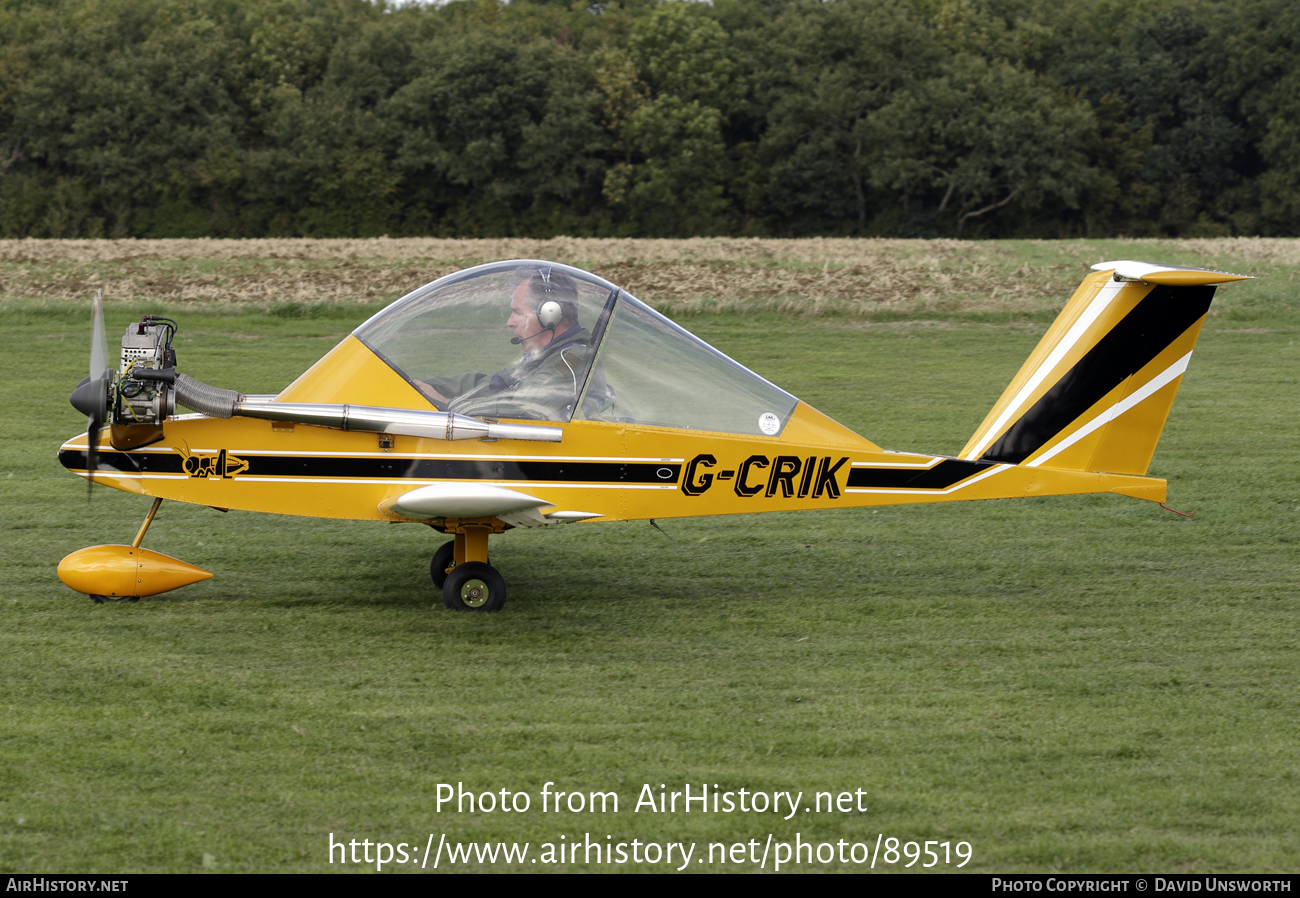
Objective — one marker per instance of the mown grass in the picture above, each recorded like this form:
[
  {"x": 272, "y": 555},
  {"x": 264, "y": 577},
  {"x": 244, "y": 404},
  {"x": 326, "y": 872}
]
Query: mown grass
[{"x": 1069, "y": 684}]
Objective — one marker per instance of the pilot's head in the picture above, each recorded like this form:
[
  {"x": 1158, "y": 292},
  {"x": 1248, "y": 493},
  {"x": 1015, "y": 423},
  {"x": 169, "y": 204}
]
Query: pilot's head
[{"x": 543, "y": 303}]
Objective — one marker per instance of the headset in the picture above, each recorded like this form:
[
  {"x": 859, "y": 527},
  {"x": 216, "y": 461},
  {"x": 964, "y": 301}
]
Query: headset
[{"x": 549, "y": 314}]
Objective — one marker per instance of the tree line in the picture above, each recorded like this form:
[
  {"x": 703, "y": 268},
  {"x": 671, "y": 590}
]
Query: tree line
[{"x": 648, "y": 118}]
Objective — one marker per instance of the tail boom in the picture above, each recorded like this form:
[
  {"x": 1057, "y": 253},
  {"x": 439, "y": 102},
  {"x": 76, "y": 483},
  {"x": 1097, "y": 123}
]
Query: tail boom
[{"x": 939, "y": 479}]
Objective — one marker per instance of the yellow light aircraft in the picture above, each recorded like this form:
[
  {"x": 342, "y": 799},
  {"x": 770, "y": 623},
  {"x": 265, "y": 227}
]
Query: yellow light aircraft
[{"x": 598, "y": 409}]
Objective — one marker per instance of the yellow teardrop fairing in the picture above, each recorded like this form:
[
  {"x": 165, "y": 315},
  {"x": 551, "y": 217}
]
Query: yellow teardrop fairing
[{"x": 118, "y": 571}]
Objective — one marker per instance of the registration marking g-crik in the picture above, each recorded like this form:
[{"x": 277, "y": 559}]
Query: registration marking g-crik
[{"x": 792, "y": 476}]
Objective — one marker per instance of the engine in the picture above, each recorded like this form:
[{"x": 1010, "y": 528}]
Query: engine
[{"x": 142, "y": 393}]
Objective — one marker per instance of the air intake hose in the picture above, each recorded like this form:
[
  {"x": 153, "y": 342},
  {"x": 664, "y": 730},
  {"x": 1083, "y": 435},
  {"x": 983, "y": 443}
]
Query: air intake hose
[{"x": 211, "y": 401}]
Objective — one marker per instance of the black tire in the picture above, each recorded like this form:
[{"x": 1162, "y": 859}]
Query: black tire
[
  {"x": 443, "y": 559},
  {"x": 442, "y": 562},
  {"x": 474, "y": 586}
]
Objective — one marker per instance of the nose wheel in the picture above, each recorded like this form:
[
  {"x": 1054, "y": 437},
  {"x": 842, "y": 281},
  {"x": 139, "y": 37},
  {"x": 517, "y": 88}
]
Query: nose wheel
[{"x": 100, "y": 600}]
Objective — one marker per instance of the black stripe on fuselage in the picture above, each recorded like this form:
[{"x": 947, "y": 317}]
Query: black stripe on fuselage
[
  {"x": 946, "y": 473},
  {"x": 1158, "y": 320},
  {"x": 392, "y": 467},
  {"x": 110, "y": 461}
]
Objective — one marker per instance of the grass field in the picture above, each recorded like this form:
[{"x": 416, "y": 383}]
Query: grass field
[{"x": 1077, "y": 684}]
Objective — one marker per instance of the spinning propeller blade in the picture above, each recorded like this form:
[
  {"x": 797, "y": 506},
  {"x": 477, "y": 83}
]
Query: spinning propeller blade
[
  {"x": 91, "y": 395},
  {"x": 98, "y": 339}
]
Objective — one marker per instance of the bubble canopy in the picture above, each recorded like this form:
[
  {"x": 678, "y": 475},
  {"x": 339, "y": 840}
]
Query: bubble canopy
[{"x": 539, "y": 341}]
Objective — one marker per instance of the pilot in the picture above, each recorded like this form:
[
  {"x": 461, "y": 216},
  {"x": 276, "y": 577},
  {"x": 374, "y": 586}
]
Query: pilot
[{"x": 544, "y": 383}]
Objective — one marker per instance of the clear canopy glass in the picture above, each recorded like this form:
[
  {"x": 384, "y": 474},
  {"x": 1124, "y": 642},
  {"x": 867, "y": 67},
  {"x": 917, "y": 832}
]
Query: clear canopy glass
[{"x": 539, "y": 341}]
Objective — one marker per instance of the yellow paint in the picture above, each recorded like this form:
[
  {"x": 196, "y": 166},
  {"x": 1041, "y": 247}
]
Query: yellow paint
[
  {"x": 1123, "y": 302},
  {"x": 350, "y": 373},
  {"x": 126, "y": 571},
  {"x": 350, "y": 496},
  {"x": 1192, "y": 278},
  {"x": 1124, "y": 445},
  {"x": 472, "y": 543},
  {"x": 809, "y": 426},
  {"x": 1130, "y": 439},
  {"x": 144, "y": 528}
]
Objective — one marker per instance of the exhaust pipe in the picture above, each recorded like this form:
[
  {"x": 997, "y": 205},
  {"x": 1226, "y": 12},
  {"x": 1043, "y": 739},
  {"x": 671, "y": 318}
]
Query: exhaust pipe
[{"x": 218, "y": 403}]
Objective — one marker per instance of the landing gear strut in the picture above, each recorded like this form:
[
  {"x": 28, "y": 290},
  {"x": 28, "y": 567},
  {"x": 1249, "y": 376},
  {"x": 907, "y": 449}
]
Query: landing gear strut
[{"x": 135, "y": 544}]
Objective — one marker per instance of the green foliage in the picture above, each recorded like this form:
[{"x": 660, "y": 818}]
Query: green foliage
[
  {"x": 1257, "y": 70},
  {"x": 663, "y": 101},
  {"x": 649, "y": 118},
  {"x": 833, "y": 66},
  {"x": 981, "y": 135},
  {"x": 493, "y": 127},
  {"x": 1194, "y": 147}
]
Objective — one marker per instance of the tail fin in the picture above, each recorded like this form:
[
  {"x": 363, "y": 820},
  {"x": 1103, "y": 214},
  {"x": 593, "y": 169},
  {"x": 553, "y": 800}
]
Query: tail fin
[{"x": 1095, "y": 393}]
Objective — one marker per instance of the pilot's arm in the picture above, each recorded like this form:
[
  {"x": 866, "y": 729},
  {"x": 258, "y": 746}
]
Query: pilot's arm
[{"x": 442, "y": 390}]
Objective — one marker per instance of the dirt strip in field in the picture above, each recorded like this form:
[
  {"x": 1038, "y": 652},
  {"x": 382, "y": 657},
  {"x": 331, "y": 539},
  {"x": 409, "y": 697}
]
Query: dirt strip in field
[{"x": 807, "y": 277}]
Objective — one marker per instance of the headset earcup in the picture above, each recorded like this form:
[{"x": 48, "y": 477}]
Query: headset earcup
[{"x": 549, "y": 314}]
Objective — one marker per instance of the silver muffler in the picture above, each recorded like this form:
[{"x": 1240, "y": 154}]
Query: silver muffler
[{"x": 218, "y": 403}]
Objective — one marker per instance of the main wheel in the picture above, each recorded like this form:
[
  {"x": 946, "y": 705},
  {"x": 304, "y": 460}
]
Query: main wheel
[
  {"x": 442, "y": 561},
  {"x": 474, "y": 586}
]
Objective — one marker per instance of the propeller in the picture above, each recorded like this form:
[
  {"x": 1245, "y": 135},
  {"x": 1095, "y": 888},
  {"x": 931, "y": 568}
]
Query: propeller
[{"x": 91, "y": 395}]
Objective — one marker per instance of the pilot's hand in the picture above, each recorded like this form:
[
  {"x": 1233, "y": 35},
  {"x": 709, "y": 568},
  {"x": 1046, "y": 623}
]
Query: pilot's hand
[{"x": 430, "y": 391}]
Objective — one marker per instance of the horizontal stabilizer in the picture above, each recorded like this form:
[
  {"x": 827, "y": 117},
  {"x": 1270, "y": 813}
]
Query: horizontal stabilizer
[{"x": 1168, "y": 275}]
